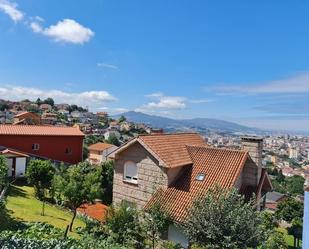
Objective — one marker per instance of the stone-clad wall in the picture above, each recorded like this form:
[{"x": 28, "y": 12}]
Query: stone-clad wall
[
  {"x": 253, "y": 167},
  {"x": 250, "y": 173},
  {"x": 150, "y": 176}
]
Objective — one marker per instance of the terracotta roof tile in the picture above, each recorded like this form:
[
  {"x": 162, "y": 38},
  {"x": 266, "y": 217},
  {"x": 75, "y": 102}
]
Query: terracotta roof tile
[
  {"x": 220, "y": 166},
  {"x": 171, "y": 148},
  {"x": 97, "y": 211},
  {"x": 36, "y": 130},
  {"x": 100, "y": 146}
]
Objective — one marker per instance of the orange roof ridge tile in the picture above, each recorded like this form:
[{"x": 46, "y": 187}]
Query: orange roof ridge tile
[
  {"x": 167, "y": 134},
  {"x": 215, "y": 148},
  {"x": 39, "y": 130}
]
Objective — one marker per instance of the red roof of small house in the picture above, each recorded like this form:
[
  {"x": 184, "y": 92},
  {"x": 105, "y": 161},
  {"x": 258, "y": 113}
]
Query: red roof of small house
[
  {"x": 13, "y": 152},
  {"x": 100, "y": 146},
  {"x": 169, "y": 149},
  {"x": 97, "y": 211},
  {"x": 38, "y": 130},
  {"x": 218, "y": 166},
  {"x": 21, "y": 114}
]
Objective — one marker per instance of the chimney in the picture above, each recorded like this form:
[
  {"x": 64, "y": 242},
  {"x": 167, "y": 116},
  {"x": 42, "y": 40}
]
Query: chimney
[{"x": 254, "y": 145}]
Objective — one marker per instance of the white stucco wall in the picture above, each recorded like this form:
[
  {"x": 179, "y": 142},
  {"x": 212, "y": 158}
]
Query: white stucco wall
[
  {"x": 10, "y": 162},
  {"x": 20, "y": 166},
  {"x": 177, "y": 236}
]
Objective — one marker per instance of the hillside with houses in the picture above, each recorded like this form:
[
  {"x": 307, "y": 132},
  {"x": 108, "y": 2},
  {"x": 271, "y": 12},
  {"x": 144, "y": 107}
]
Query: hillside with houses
[{"x": 90, "y": 171}]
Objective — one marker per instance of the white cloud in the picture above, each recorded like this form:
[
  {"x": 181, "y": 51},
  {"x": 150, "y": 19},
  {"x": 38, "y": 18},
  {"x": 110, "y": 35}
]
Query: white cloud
[
  {"x": 11, "y": 9},
  {"x": 165, "y": 102},
  {"x": 67, "y": 30},
  {"x": 295, "y": 84},
  {"x": 200, "y": 101},
  {"x": 155, "y": 95},
  {"x": 93, "y": 99},
  {"x": 105, "y": 65}
]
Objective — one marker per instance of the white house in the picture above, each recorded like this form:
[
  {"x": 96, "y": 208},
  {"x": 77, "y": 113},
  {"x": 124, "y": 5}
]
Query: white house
[
  {"x": 17, "y": 162},
  {"x": 108, "y": 133},
  {"x": 99, "y": 152}
]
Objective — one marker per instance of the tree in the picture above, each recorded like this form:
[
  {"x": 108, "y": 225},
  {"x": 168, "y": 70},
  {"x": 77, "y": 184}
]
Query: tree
[
  {"x": 290, "y": 209},
  {"x": 156, "y": 222},
  {"x": 81, "y": 183},
  {"x": 112, "y": 139},
  {"x": 280, "y": 177},
  {"x": 49, "y": 101},
  {"x": 269, "y": 221},
  {"x": 276, "y": 240},
  {"x": 85, "y": 152},
  {"x": 124, "y": 224},
  {"x": 32, "y": 108},
  {"x": 107, "y": 173},
  {"x": 39, "y": 101},
  {"x": 222, "y": 219},
  {"x": 93, "y": 139},
  {"x": 295, "y": 185},
  {"x": 3, "y": 106},
  {"x": 3, "y": 172},
  {"x": 296, "y": 230},
  {"x": 40, "y": 173},
  {"x": 122, "y": 119}
]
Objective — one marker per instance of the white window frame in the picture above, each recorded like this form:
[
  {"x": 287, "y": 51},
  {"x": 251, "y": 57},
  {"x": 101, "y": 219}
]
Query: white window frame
[
  {"x": 35, "y": 146},
  {"x": 126, "y": 176}
]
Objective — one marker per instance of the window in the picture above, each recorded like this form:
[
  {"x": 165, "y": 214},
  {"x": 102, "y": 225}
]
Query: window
[
  {"x": 68, "y": 151},
  {"x": 35, "y": 146},
  {"x": 130, "y": 172},
  {"x": 200, "y": 177}
]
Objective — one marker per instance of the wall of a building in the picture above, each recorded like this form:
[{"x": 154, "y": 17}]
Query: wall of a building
[
  {"x": 250, "y": 173},
  {"x": 51, "y": 147},
  {"x": 306, "y": 222},
  {"x": 150, "y": 176},
  {"x": 20, "y": 166}
]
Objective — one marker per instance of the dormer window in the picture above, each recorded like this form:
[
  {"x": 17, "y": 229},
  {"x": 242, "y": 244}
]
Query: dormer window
[
  {"x": 200, "y": 177},
  {"x": 130, "y": 172}
]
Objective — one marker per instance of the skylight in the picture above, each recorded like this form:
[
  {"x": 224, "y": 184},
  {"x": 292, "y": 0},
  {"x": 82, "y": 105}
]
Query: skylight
[{"x": 200, "y": 177}]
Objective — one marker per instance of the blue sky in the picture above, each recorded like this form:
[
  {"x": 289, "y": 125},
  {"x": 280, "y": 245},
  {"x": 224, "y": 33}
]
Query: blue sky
[{"x": 242, "y": 61}]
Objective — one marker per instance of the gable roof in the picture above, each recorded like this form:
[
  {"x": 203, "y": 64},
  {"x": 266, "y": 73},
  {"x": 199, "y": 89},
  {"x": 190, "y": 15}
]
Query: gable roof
[
  {"x": 6, "y": 151},
  {"x": 220, "y": 166},
  {"x": 37, "y": 130},
  {"x": 100, "y": 146},
  {"x": 25, "y": 113},
  {"x": 169, "y": 149}
]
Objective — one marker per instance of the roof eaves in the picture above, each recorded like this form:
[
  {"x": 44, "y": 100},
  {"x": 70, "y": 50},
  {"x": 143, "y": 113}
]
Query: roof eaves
[
  {"x": 242, "y": 164},
  {"x": 161, "y": 162}
]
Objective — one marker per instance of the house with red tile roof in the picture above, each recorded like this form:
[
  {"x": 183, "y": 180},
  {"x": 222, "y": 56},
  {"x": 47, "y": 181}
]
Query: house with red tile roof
[
  {"x": 99, "y": 152},
  {"x": 59, "y": 144},
  {"x": 173, "y": 169},
  {"x": 27, "y": 118}
]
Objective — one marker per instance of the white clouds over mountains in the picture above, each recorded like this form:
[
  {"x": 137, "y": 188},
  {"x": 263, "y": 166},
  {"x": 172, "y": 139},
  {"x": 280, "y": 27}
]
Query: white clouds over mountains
[
  {"x": 94, "y": 99},
  {"x": 66, "y": 30},
  {"x": 165, "y": 102}
]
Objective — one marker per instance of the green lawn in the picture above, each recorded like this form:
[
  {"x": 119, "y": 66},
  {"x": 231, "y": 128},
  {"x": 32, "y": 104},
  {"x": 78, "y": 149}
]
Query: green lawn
[
  {"x": 23, "y": 206},
  {"x": 289, "y": 238}
]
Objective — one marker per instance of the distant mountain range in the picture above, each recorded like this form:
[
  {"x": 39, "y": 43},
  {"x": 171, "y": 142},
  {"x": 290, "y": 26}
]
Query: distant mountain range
[{"x": 202, "y": 125}]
